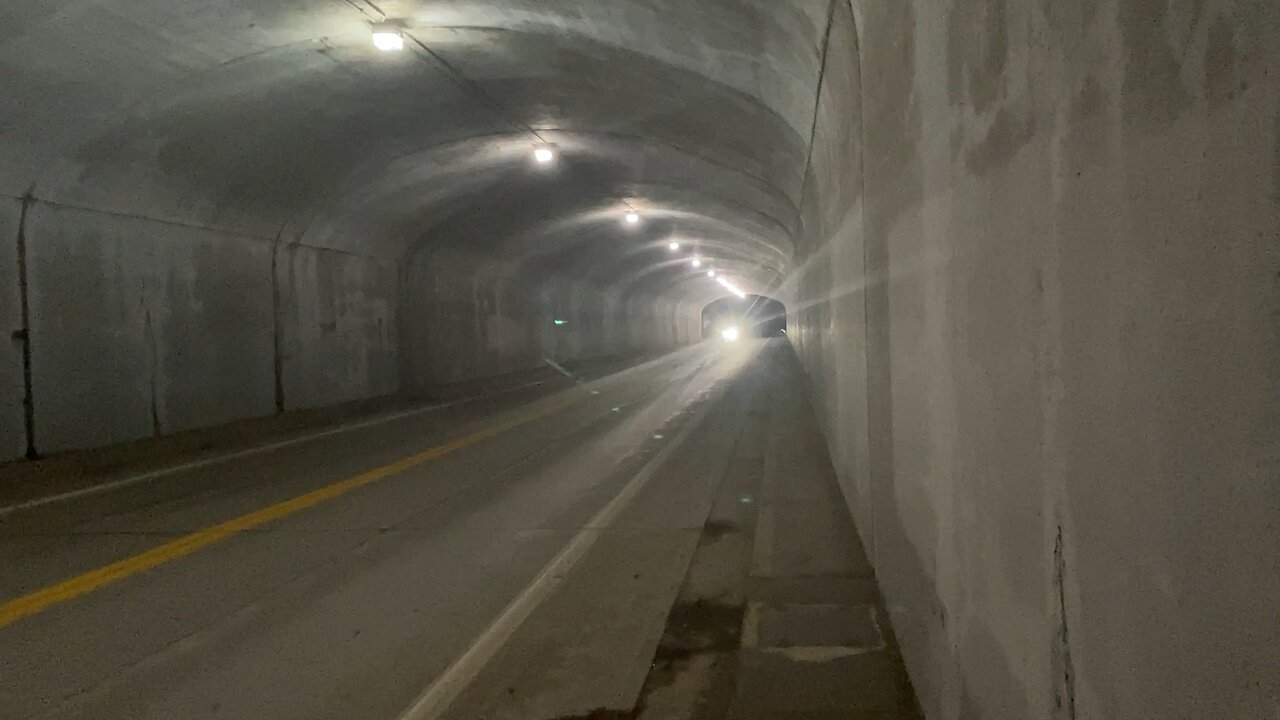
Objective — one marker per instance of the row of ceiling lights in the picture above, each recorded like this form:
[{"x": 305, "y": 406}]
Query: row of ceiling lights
[
  {"x": 545, "y": 155},
  {"x": 696, "y": 262},
  {"x": 388, "y": 37}
]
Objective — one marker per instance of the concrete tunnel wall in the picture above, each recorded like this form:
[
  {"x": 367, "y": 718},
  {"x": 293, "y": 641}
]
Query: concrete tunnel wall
[
  {"x": 1038, "y": 295},
  {"x": 143, "y": 328}
]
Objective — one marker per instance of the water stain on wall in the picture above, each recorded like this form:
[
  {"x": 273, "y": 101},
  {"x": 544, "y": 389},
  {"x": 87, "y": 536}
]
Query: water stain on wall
[
  {"x": 1221, "y": 64},
  {"x": 978, "y": 62},
  {"x": 892, "y": 113},
  {"x": 1154, "y": 94},
  {"x": 977, "y": 52},
  {"x": 1090, "y": 115},
  {"x": 1275, "y": 172},
  {"x": 1005, "y": 137},
  {"x": 1275, "y": 166},
  {"x": 1089, "y": 102}
]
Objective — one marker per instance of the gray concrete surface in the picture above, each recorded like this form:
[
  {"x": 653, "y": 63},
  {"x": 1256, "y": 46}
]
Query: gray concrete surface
[
  {"x": 139, "y": 329},
  {"x": 779, "y": 615},
  {"x": 350, "y": 608},
  {"x": 1036, "y": 293},
  {"x": 339, "y": 316},
  {"x": 13, "y": 438}
]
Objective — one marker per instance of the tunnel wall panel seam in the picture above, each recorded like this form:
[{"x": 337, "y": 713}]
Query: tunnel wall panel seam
[
  {"x": 338, "y": 322},
  {"x": 13, "y": 434},
  {"x": 140, "y": 329}
]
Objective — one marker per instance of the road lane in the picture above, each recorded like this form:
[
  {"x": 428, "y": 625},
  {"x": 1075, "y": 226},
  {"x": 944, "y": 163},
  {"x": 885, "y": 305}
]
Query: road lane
[
  {"x": 84, "y": 533},
  {"x": 349, "y": 606}
]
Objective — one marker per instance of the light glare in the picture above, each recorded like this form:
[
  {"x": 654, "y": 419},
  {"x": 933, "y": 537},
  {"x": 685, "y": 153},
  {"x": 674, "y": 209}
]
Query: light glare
[
  {"x": 632, "y": 218},
  {"x": 388, "y": 40},
  {"x": 673, "y": 246},
  {"x": 731, "y": 287},
  {"x": 544, "y": 155},
  {"x": 697, "y": 263},
  {"x": 730, "y": 334}
]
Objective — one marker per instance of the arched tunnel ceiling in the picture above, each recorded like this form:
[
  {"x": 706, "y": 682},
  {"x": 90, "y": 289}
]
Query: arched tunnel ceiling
[{"x": 278, "y": 118}]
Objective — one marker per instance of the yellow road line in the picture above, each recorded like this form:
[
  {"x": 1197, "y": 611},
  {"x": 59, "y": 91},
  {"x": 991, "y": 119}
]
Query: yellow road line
[{"x": 40, "y": 600}]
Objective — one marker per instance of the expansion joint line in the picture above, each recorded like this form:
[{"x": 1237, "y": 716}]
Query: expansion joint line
[
  {"x": 23, "y": 334},
  {"x": 473, "y": 88},
  {"x": 372, "y": 11},
  {"x": 817, "y": 106},
  {"x": 360, "y": 7},
  {"x": 1066, "y": 695}
]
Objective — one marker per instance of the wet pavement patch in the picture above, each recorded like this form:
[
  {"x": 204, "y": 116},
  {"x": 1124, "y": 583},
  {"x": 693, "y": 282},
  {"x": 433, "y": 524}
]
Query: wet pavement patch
[
  {"x": 716, "y": 529},
  {"x": 694, "y": 628},
  {"x": 702, "y": 626},
  {"x": 701, "y": 640},
  {"x": 602, "y": 714}
]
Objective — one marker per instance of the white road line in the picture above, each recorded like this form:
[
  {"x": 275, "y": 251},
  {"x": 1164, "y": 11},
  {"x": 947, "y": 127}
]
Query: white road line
[
  {"x": 437, "y": 698},
  {"x": 250, "y": 452}
]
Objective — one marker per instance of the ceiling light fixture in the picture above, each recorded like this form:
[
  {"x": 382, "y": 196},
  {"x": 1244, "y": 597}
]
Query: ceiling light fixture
[
  {"x": 697, "y": 263},
  {"x": 674, "y": 246},
  {"x": 387, "y": 37},
  {"x": 731, "y": 287},
  {"x": 632, "y": 218},
  {"x": 544, "y": 155}
]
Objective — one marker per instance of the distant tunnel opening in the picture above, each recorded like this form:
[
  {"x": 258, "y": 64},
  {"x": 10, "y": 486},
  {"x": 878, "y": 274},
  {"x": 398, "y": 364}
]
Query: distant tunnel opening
[{"x": 754, "y": 316}]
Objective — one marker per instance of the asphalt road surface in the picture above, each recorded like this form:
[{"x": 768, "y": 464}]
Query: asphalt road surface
[{"x": 376, "y": 570}]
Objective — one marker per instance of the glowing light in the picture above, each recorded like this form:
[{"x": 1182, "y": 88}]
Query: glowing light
[
  {"x": 697, "y": 263},
  {"x": 544, "y": 155},
  {"x": 731, "y": 287},
  {"x": 561, "y": 322},
  {"x": 388, "y": 38},
  {"x": 632, "y": 218},
  {"x": 711, "y": 273},
  {"x": 674, "y": 246},
  {"x": 730, "y": 334}
]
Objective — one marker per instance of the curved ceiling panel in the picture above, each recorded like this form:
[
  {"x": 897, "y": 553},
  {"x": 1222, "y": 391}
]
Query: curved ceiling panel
[{"x": 278, "y": 118}]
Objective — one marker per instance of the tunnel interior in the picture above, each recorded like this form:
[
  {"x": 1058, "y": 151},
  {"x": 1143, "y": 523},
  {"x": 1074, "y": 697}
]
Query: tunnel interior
[
  {"x": 755, "y": 316},
  {"x": 1024, "y": 255},
  {"x": 246, "y": 211}
]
